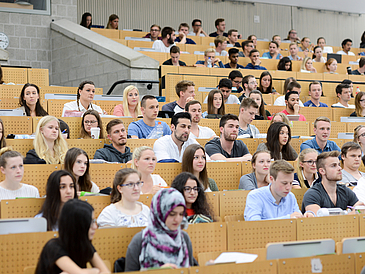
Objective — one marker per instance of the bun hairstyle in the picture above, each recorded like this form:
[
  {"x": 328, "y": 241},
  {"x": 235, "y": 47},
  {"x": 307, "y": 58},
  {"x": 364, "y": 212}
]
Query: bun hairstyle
[{"x": 8, "y": 152}]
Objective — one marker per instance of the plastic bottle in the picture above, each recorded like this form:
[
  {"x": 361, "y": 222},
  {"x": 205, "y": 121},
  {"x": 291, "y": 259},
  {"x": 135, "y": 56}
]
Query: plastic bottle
[
  {"x": 209, "y": 62},
  {"x": 357, "y": 90},
  {"x": 157, "y": 132}
]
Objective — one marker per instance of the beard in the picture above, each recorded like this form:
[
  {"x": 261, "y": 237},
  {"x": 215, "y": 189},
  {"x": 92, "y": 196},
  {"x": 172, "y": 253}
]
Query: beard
[
  {"x": 181, "y": 137},
  {"x": 230, "y": 137}
]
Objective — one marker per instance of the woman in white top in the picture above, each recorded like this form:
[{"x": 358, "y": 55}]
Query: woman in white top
[
  {"x": 85, "y": 96},
  {"x": 125, "y": 209},
  {"x": 11, "y": 165},
  {"x": 318, "y": 55},
  {"x": 77, "y": 163},
  {"x": 307, "y": 65},
  {"x": 144, "y": 160}
]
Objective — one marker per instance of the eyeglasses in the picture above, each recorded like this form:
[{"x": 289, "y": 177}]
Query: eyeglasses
[
  {"x": 238, "y": 82},
  {"x": 362, "y": 100},
  {"x": 310, "y": 162},
  {"x": 362, "y": 135},
  {"x": 93, "y": 221},
  {"x": 197, "y": 25},
  {"x": 188, "y": 189},
  {"x": 90, "y": 122},
  {"x": 132, "y": 185},
  {"x": 155, "y": 30}
]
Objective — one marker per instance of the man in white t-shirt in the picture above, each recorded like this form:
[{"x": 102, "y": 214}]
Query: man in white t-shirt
[
  {"x": 344, "y": 95},
  {"x": 186, "y": 91},
  {"x": 225, "y": 86},
  {"x": 167, "y": 41},
  {"x": 194, "y": 108},
  {"x": 172, "y": 147},
  {"x": 293, "y": 86},
  {"x": 346, "y": 47}
]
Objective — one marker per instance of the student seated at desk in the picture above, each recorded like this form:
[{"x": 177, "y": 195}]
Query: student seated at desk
[
  {"x": 359, "y": 105},
  {"x": 359, "y": 137},
  {"x": 274, "y": 201},
  {"x": 70, "y": 252},
  {"x": 11, "y": 165},
  {"x": 351, "y": 159},
  {"x": 307, "y": 174},
  {"x": 125, "y": 209},
  {"x": 216, "y": 107},
  {"x": 197, "y": 207},
  {"x": 90, "y": 119},
  {"x": 61, "y": 187},
  {"x": 130, "y": 106},
  {"x": 29, "y": 101}
]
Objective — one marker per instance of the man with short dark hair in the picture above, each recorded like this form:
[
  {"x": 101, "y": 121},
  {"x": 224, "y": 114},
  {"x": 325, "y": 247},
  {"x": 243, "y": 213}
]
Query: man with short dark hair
[
  {"x": 220, "y": 43},
  {"x": 154, "y": 33},
  {"x": 220, "y": 25},
  {"x": 225, "y": 86},
  {"x": 172, "y": 147},
  {"x": 315, "y": 92},
  {"x": 274, "y": 51},
  {"x": 292, "y": 86},
  {"x": 255, "y": 60},
  {"x": 322, "y": 131},
  {"x": 197, "y": 28},
  {"x": 233, "y": 38},
  {"x": 248, "y": 109},
  {"x": 236, "y": 78},
  {"x": 361, "y": 69},
  {"x": 247, "y": 46},
  {"x": 183, "y": 32},
  {"x": 227, "y": 147},
  {"x": 185, "y": 91},
  {"x": 233, "y": 59},
  {"x": 343, "y": 92},
  {"x": 351, "y": 153},
  {"x": 292, "y": 105},
  {"x": 167, "y": 40},
  {"x": 148, "y": 127},
  {"x": 195, "y": 110},
  {"x": 346, "y": 47},
  {"x": 175, "y": 58},
  {"x": 329, "y": 194},
  {"x": 274, "y": 201},
  {"x": 117, "y": 151},
  {"x": 249, "y": 84}
]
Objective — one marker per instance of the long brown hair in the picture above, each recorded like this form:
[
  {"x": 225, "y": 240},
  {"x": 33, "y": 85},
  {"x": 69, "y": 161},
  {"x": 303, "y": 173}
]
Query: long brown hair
[
  {"x": 221, "y": 110},
  {"x": 269, "y": 88},
  {"x": 83, "y": 133},
  {"x": 262, "y": 106},
  {"x": 119, "y": 179},
  {"x": 358, "y": 108},
  {"x": 272, "y": 143},
  {"x": 39, "y": 110},
  {"x": 2, "y": 139},
  {"x": 187, "y": 163}
]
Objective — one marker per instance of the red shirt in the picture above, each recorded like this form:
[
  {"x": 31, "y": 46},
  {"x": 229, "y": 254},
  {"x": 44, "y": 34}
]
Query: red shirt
[
  {"x": 190, "y": 212},
  {"x": 301, "y": 117}
]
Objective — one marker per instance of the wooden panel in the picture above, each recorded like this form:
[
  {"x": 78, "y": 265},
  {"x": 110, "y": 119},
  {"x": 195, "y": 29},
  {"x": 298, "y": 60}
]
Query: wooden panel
[
  {"x": 232, "y": 109},
  {"x": 74, "y": 124},
  {"x": 202, "y": 81},
  {"x": 246, "y": 168},
  {"x": 256, "y": 234},
  {"x": 20, "y": 145},
  {"x": 334, "y": 77},
  {"x": 171, "y": 81},
  {"x": 11, "y": 91},
  {"x": 107, "y": 106},
  {"x": 21, "y": 208},
  {"x": 351, "y": 126},
  {"x": 17, "y": 125},
  {"x": 213, "y": 199},
  {"x": 281, "y": 74},
  {"x": 98, "y": 203},
  {"x": 251, "y": 143},
  {"x": 103, "y": 174},
  {"x": 140, "y": 44},
  {"x": 134, "y": 143},
  {"x": 211, "y": 123},
  {"x": 312, "y": 113},
  {"x": 300, "y": 128},
  {"x": 65, "y": 90},
  {"x": 269, "y": 64},
  {"x": 296, "y": 142},
  {"x": 225, "y": 174},
  {"x": 39, "y": 77},
  {"x": 232, "y": 202},
  {"x": 336, "y": 228},
  {"x": 55, "y": 106},
  {"x": 194, "y": 70},
  {"x": 309, "y": 76},
  {"x": 10, "y": 103},
  {"x": 359, "y": 262},
  {"x": 262, "y": 125},
  {"x": 169, "y": 69},
  {"x": 337, "y": 127},
  {"x": 128, "y": 33},
  {"x": 337, "y": 113},
  {"x": 331, "y": 264},
  {"x": 168, "y": 171},
  {"x": 110, "y": 33},
  {"x": 189, "y": 59},
  {"x": 274, "y": 109},
  {"x": 159, "y": 56},
  {"x": 299, "y": 193},
  {"x": 88, "y": 145},
  {"x": 15, "y": 75}
]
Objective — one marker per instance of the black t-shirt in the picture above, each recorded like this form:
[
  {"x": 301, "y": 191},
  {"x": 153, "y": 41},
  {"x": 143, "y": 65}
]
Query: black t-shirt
[
  {"x": 318, "y": 195},
  {"x": 214, "y": 146},
  {"x": 51, "y": 252}
]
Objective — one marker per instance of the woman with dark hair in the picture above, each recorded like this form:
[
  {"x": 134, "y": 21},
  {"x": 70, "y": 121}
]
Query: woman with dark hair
[
  {"x": 278, "y": 142},
  {"x": 29, "y": 101},
  {"x": 362, "y": 44},
  {"x": 359, "y": 105},
  {"x": 90, "y": 119},
  {"x": 164, "y": 232},
  {"x": 318, "y": 55},
  {"x": 2, "y": 134},
  {"x": 86, "y": 20},
  {"x": 60, "y": 188},
  {"x": 1, "y": 76},
  {"x": 70, "y": 252},
  {"x": 85, "y": 96},
  {"x": 194, "y": 161},
  {"x": 263, "y": 113},
  {"x": 11, "y": 165},
  {"x": 77, "y": 163},
  {"x": 113, "y": 22},
  {"x": 285, "y": 64},
  {"x": 265, "y": 85},
  {"x": 216, "y": 107},
  {"x": 125, "y": 210},
  {"x": 197, "y": 207}
]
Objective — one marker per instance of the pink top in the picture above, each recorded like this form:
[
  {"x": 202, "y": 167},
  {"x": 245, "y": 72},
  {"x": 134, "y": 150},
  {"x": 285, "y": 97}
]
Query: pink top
[
  {"x": 118, "y": 110},
  {"x": 301, "y": 117}
]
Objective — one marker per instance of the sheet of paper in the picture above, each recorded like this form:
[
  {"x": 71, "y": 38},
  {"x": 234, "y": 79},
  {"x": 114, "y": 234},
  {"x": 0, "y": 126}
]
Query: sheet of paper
[{"x": 235, "y": 257}]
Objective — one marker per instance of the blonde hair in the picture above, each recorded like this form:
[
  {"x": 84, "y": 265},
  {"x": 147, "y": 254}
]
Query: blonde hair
[
  {"x": 137, "y": 110},
  {"x": 137, "y": 153},
  {"x": 300, "y": 160},
  {"x": 283, "y": 116},
  {"x": 209, "y": 50},
  {"x": 305, "y": 60},
  {"x": 356, "y": 133},
  {"x": 40, "y": 146}
]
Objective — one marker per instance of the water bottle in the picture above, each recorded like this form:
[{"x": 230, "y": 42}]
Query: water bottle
[
  {"x": 357, "y": 90},
  {"x": 209, "y": 62},
  {"x": 157, "y": 132}
]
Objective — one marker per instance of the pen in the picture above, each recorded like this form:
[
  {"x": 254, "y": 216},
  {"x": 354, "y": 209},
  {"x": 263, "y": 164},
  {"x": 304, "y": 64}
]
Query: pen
[{"x": 64, "y": 131}]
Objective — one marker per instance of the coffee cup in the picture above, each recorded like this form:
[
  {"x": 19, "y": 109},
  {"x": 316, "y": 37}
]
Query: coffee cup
[{"x": 95, "y": 132}]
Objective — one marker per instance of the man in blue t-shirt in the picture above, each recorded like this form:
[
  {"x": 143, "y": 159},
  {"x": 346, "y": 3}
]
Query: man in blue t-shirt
[
  {"x": 148, "y": 127},
  {"x": 315, "y": 92},
  {"x": 233, "y": 59}
]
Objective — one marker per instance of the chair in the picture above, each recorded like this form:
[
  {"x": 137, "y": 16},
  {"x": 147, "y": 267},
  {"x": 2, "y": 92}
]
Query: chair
[
  {"x": 20, "y": 208},
  {"x": 359, "y": 261},
  {"x": 22, "y": 225},
  {"x": 108, "y": 106},
  {"x": 335, "y": 227},
  {"x": 15, "y": 75},
  {"x": 262, "y": 125},
  {"x": 103, "y": 174},
  {"x": 351, "y": 126},
  {"x": 168, "y": 171},
  {"x": 232, "y": 202},
  {"x": 234, "y": 218},
  {"x": 55, "y": 106},
  {"x": 189, "y": 59},
  {"x": 232, "y": 109},
  {"x": 135, "y": 143},
  {"x": 225, "y": 174},
  {"x": 170, "y": 82},
  {"x": 299, "y": 193},
  {"x": 312, "y": 113},
  {"x": 337, "y": 113},
  {"x": 337, "y": 127},
  {"x": 20, "y": 145},
  {"x": 211, "y": 123},
  {"x": 88, "y": 145},
  {"x": 159, "y": 56},
  {"x": 110, "y": 33},
  {"x": 256, "y": 234},
  {"x": 11, "y": 103},
  {"x": 300, "y": 128},
  {"x": 353, "y": 245},
  {"x": 213, "y": 199},
  {"x": 146, "y": 199},
  {"x": 40, "y": 77},
  {"x": 295, "y": 143},
  {"x": 203, "y": 142},
  {"x": 17, "y": 125},
  {"x": 251, "y": 143},
  {"x": 98, "y": 203}
]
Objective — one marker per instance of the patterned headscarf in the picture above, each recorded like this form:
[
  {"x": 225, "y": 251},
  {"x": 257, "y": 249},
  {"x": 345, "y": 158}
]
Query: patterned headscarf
[{"x": 160, "y": 245}]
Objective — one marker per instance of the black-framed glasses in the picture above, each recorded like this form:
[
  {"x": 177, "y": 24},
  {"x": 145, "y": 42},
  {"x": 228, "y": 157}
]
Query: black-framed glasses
[
  {"x": 362, "y": 135},
  {"x": 132, "y": 185},
  {"x": 188, "y": 189},
  {"x": 310, "y": 162}
]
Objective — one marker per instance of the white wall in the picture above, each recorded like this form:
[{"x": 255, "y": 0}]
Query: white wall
[{"x": 274, "y": 19}]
